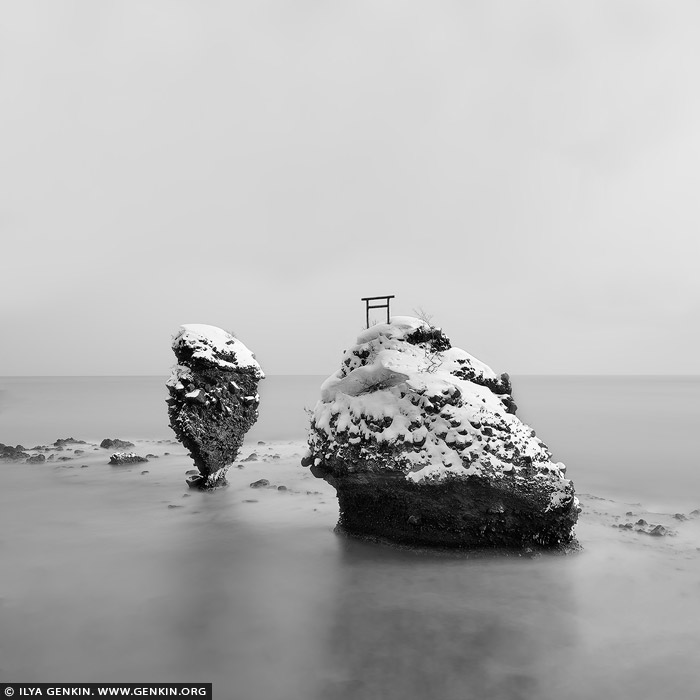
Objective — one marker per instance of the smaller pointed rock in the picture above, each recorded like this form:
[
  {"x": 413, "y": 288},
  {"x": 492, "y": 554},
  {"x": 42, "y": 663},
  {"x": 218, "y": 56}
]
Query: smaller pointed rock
[{"x": 213, "y": 399}]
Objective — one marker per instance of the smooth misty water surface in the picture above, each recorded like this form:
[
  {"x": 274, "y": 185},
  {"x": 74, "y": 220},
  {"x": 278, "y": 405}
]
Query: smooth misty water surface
[{"x": 108, "y": 574}]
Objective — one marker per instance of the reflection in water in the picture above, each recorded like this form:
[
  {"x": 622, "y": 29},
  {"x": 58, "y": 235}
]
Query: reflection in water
[{"x": 419, "y": 625}]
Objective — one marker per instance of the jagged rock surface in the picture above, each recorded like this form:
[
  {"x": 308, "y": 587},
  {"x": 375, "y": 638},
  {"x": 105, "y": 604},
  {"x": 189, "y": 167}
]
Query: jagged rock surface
[
  {"x": 213, "y": 399},
  {"x": 421, "y": 442}
]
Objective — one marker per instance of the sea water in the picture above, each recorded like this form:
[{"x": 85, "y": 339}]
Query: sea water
[{"x": 123, "y": 575}]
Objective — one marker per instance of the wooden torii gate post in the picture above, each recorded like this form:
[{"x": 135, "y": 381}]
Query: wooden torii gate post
[{"x": 378, "y": 306}]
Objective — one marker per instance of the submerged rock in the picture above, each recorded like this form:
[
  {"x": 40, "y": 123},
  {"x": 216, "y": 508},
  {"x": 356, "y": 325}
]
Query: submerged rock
[
  {"x": 421, "y": 442},
  {"x": 213, "y": 399},
  {"x": 62, "y": 442}
]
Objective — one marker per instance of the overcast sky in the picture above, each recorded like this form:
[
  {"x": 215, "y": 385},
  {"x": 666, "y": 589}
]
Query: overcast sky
[{"x": 526, "y": 172}]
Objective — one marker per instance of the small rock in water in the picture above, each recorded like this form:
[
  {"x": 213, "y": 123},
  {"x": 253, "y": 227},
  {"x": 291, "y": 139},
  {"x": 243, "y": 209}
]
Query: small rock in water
[
  {"x": 126, "y": 458},
  {"x": 36, "y": 459},
  {"x": 680, "y": 516},
  {"x": 252, "y": 457},
  {"x": 116, "y": 444},
  {"x": 260, "y": 442},
  {"x": 191, "y": 472},
  {"x": 260, "y": 483},
  {"x": 282, "y": 488},
  {"x": 62, "y": 442},
  {"x": 145, "y": 471}
]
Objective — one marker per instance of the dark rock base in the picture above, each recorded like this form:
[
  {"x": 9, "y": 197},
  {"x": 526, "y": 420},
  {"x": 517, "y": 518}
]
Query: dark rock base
[{"x": 472, "y": 513}]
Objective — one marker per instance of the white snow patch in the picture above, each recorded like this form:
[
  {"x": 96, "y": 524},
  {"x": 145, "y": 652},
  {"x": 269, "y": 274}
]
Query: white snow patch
[{"x": 217, "y": 346}]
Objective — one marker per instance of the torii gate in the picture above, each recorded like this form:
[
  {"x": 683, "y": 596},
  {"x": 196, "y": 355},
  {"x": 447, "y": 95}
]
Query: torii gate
[{"x": 378, "y": 306}]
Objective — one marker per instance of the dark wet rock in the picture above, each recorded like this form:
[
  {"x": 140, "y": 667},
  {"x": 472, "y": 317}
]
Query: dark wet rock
[
  {"x": 64, "y": 459},
  {"x": 145, "y": 471},
  {"x": 83, "y": 466},
  {"x": 260, "y": 442},
  {"x": 282, "y": 488},
  {"x": 51, "y": 458},
  {"x": 259, "y": 484},
  {"x": 421, "y": 443},
  {"x": 116, "y": 444},
  {"x": 13, "y": 454},
  {"x": 695, "y": 513},
  {"x": 252, "y": 457},
  {"x": 36, "y": 459},
  {"x": 62, "y": 442},
  {"x": 629, "y": 512},
  {"x": 151, "y": 456},
  {"x": 78, "y": 452},
  {"x": 680, "y": 516},
  {"x": 213, "y": 399},
  {"x": 126, "y": 458}
]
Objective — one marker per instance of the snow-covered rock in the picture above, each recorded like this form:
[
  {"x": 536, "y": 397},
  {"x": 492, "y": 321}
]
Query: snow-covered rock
[
  {"x": 126, "y": 458},
  {"x": 421, "y": 442},
  {"x": 213, "y": 398}
]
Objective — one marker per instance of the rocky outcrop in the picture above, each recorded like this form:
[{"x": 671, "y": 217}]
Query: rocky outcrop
[
  {"x": 213, "y": 399},
  {"x": 12, "y": 454},
  {"x": 421, "y": 442}
]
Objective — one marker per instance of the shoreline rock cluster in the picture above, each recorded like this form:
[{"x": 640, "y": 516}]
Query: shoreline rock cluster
[
  {"x": 213, "y": 399},
  {"x": 421, "y": 442}
]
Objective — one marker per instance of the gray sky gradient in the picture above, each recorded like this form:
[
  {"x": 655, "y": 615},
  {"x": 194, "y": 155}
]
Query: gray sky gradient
[{"x": 528, "y": 173}]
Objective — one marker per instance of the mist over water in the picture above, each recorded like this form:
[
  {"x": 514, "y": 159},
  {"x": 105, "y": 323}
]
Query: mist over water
[{"x": 110, "y": 574}]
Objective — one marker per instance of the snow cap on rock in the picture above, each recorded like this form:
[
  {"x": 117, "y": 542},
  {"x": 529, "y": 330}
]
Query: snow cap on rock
[{"x": 215, "y": 346}]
